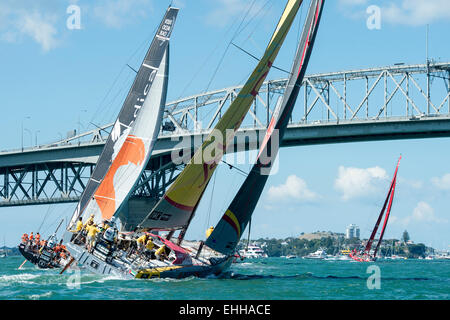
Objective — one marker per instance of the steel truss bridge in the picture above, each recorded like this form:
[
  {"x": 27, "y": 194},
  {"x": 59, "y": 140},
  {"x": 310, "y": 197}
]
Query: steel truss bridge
[{"x": 395, "y": 102}]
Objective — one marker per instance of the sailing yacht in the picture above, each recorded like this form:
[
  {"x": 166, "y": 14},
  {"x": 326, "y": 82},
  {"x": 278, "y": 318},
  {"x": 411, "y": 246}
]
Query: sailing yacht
[
  {"x": 366, "y": 255},
  {"x": 113, "y": 253}
]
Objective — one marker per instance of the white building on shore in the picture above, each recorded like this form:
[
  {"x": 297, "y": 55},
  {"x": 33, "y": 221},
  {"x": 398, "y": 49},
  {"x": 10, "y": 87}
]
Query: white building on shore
[{"x": 352, "y": 231}]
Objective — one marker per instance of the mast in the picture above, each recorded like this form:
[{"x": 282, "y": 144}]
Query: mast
[
  {"x": 229, "y": 230},
  {"x": 128, "y": 144},
  {"x": 391, "y": 198},
  {"x": 176, "y": 208}
]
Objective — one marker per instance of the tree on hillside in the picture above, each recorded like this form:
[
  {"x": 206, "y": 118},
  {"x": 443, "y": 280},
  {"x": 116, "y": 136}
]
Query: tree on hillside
[{"x": 405, "y": 236}]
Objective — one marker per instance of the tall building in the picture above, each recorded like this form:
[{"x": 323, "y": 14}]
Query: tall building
[{"x": 352, "y": 231}]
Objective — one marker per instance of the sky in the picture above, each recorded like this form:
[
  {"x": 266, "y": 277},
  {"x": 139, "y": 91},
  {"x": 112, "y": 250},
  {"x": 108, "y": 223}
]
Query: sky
[{"x": 58, "y": 73}]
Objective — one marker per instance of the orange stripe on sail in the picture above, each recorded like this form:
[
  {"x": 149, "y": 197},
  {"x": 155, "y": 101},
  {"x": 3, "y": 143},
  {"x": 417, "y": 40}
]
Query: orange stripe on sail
[{"x": 132, "y": 151}]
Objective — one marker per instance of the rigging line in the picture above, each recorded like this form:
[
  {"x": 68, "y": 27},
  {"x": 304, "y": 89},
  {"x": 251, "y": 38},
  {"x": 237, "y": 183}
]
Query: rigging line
[
  {"x": 254, "y": 57},
  {"x": 132, "y": 68},
  {"x": 208, "y": 216},
  {"x": 233, "y": 167},
  {"x": 121, "y": 71},
  {"x": 257, "y": 14},
  {"x": 228, "y": 46},
  {"x": 45, "y": 217},
  {"x": 212, "y": 53}
]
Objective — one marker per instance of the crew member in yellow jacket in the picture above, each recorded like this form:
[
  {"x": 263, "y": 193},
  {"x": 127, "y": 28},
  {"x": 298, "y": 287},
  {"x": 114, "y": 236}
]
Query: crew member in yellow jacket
[
  {"x": 161, "y": 253},
  {"x": 209, "y": 231},
  {"x": 92, "y": 231}
]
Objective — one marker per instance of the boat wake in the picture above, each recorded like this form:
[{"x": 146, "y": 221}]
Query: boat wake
[{"x": 308, "y": 275}]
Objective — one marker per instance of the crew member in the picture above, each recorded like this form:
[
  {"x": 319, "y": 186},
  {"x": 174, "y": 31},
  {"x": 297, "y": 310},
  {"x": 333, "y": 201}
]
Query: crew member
[
  {"x": 77, "y": 230},
  {"x": 149, "y": 249},
  {"x": 31, "y": 238},
  {"x": 161, "y": 253},
  {"x": 209, "y": 231},
  {"x": 92, "y": 231},
  {"x": 79, "y": 225},
  {"x": 25, "y": 238},
  {"x": 89, "y": 221},
  {"x": 104, "y": 226},
  {"x": 141, "y": 241},
  {"x": 38, "y": 239}
]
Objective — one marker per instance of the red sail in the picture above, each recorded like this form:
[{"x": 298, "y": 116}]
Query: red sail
[{"x": 386, "y": 218}]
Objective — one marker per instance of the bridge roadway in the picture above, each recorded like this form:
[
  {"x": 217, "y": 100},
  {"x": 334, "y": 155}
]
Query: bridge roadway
[{"x": 58, "y": 172}]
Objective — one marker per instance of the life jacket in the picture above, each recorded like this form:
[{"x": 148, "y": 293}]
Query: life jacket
[
  {"x": 161, "y": 250},
  {"x": 31, "y": 238},
  {"x": 79, "y": 226},
  {"x": 150, "y": 245},
  {"x": 92, "y": 230},
  {"x": 142, "y": 239}
]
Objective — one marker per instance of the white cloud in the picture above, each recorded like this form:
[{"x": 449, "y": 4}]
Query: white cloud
[
  {"x": 356, "y": 182},
  {"x": 408, "y": 12},
  {"x": 294, "y": 188},
  {"x": 44, "y": 21},
  {"x": 36, "y": 20},
  {"x": 422, "y": 213},
  {"x": 40, "y": 28},
  {"x": 442, "y": 183},
  {"x": 416, "y": 12}
]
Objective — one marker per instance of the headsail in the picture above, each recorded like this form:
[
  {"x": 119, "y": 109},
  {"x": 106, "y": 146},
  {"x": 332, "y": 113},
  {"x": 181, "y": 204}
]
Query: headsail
[
  {"x": 129, "y": 144},
  {"x": 228, "y": 231},
  {"x": 177, "y": 206},
  {"x": 388, "y": 212}
]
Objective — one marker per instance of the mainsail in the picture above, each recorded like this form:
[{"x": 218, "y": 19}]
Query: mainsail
[
  {"x": 134, "y": 133},
  {"x": 228, "y": 231},
  {"x": 388, "y": 203},
  {"x": 176, "y": 208}
]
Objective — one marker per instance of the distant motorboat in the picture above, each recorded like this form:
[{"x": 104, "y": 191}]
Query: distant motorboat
[
  {"x": 291, "y": 256},
  {"x": 319, "y": 254},
  {"x": 253, "y": 252}
]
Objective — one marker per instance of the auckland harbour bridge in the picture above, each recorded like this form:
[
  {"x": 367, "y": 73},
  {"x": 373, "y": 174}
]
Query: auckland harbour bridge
[{"x": 395, "y": 102}]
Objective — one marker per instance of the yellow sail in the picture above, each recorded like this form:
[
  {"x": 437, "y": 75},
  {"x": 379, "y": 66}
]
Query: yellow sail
[{"x": 180, "y": 200}]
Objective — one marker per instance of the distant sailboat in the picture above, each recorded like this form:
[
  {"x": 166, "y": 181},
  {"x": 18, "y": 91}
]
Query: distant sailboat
[{"x": 366, "y": 255}]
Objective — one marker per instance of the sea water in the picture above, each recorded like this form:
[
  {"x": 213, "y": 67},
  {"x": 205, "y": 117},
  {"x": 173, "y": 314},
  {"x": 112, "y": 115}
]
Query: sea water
[{"x": 268, "y": 279}]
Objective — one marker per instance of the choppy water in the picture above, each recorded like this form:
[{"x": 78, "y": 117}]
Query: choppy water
[{"x": 271, "y": 279}]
